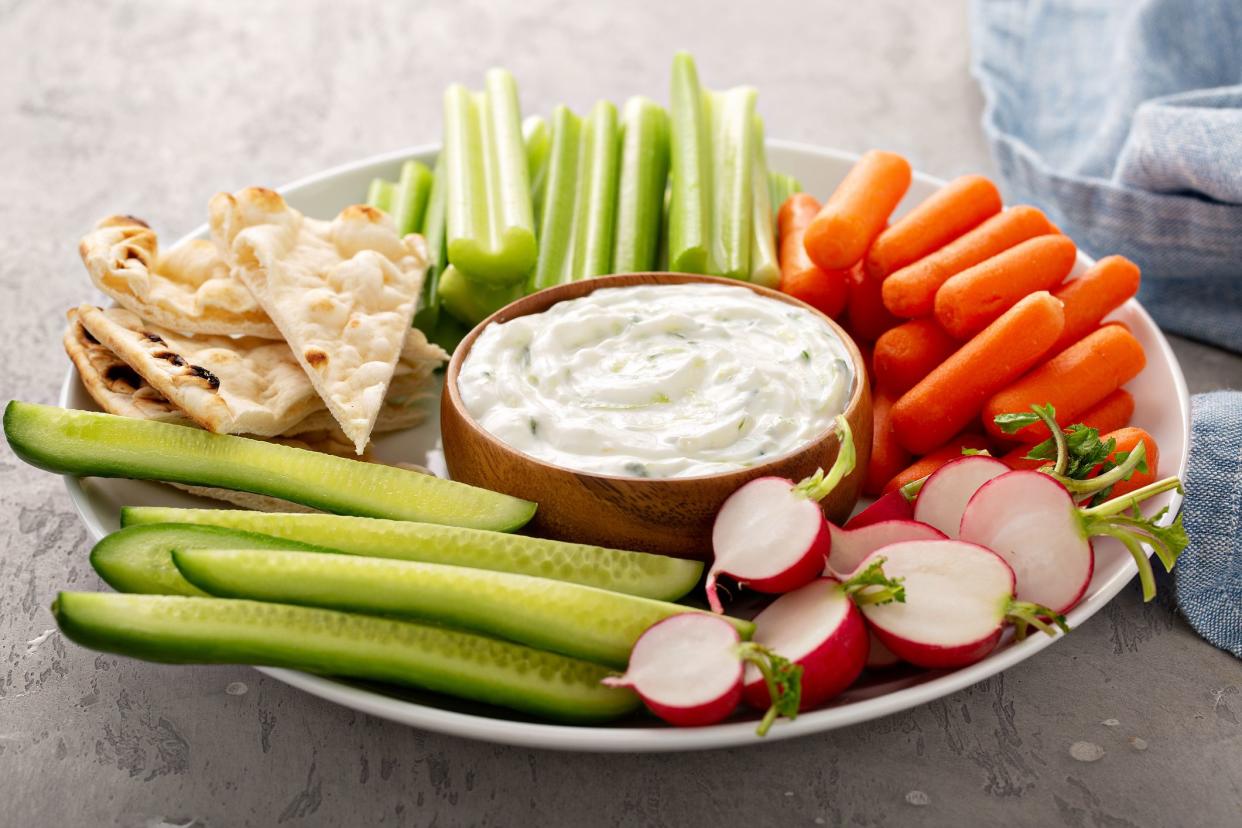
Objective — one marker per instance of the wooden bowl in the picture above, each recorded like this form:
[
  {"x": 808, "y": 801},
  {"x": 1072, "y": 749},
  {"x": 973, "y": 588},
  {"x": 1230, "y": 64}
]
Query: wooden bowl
[{"x": 672, "y": 516}]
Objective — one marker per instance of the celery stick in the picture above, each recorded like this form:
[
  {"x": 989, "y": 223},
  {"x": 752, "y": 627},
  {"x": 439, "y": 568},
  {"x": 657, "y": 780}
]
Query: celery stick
[
  {"x": 538, "y": 140},
  {"x": 781, "y": 187},
  {"x": 427, "y": 317},
  {"x": 556, "y": 227},
  {"x": 662, "y": 253},
  {"x": 491, "y": 230},
  {"x": 409, "y": 203},
  {"x": 641, "y": 185},
  {"x": 597, "y": 192},
  {"x": 733, "y": 115},
  {"x": 690, "y": 208},
  {"x": 379, "y": 194},
  {"x": 764, "y": 267},
  {"x": 471, "y": 301}
]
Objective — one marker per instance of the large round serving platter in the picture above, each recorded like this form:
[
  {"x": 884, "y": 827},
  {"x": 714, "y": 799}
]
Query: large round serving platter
[{"x": 1162, "y": 407}]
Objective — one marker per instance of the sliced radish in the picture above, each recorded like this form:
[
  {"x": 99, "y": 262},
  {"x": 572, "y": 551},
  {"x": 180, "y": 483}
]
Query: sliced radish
[
  {"x": 1029, "y": 518},
  {"x": 943, "y": 497},
  {"x": 819, "y": 628},
  {"x": 771, "y": 535},
  {"x": 958, "y": 597},
  {"x": 688, "y": 670},
  {"x": 851, "y": 546},
  {"x": 880, "y": 657},
  {"x": 893, "y": 505}
]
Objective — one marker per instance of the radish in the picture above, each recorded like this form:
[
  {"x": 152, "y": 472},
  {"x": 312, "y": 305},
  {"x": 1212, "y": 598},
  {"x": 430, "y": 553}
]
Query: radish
[
  {"x": 820, "y": 629},
  {"x": 688, "y": 670},
  {"x": 880, "y": 657},
  {"x": 959, "y": 596},
  {"x": 1029, "y": 518},
  {"x": 851, "y": 546},
  {"x": 894, "y": 505},
  {"x": 771, "y": 535},
  {"x": 943, "y": 497}
]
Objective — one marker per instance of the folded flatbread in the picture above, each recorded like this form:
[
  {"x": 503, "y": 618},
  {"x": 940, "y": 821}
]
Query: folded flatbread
[
  {"x": 341, "y": 292},
  {"x": 187, "y": 289}
]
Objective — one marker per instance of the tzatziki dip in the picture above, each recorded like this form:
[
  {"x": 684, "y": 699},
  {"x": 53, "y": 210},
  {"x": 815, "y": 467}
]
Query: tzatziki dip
[{"x": 658, "y": 380}]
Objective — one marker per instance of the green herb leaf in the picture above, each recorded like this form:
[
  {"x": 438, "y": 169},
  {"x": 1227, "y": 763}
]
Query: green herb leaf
[{"x": 1012, "y": 423}]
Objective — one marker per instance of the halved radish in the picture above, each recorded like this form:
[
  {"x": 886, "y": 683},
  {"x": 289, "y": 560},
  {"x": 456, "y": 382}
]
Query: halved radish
[
  {"x": 771, "y": 535},
  {"x": 688, "y": 670},
  {"x": 880, "y": 657},
  {"x": 943, "y": 497},
  {"x": 959, "y": 596},
  {"x": 851, "y": 546},
  {"x": 894, "y": 505},
  {"x": 1029, "y": 518}
]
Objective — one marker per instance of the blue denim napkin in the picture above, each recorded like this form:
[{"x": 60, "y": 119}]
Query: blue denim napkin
[
  {"x": 1207, "y": 580},
  {"x": 1122, "y": 119}
]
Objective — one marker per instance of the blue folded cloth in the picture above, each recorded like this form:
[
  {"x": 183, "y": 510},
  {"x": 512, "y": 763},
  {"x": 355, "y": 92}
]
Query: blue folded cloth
[
  {"x": 1207, "y": 580},
  {"x": 1122, "y": 119}
]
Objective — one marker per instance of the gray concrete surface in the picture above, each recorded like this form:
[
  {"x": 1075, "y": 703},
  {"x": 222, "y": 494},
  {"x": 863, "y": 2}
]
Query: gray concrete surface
[{"x": 150, "y": 107}]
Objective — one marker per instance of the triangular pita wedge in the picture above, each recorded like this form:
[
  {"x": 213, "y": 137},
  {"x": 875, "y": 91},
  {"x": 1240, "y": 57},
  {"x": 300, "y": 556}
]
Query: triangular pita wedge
[
  {"x": 120, "y": 389},
  {"x": 187, "y": 289},
  {"x": 342, "y": 293}
]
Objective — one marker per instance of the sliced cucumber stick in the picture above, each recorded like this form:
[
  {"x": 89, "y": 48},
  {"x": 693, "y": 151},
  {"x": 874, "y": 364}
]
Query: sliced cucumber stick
[
  {"x": 571, "y": 619},
  {"x": 103, "y": 445},
  {"x": 139, "y": 558},
  {"x": 634, "y": 573},
  {"x": 185, "y": 630}
]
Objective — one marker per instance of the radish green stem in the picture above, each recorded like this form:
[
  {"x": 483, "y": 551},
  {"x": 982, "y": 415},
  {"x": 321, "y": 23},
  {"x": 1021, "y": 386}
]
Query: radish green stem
[
  {"x": 379, "y": 194},
  {"x": 641, "y": 185},
  {"x": 556, "y": 226},
  {"x": 1147, "y": 576},
  {"x": 690, "y": 209},
  {"x": 1127, "y": 501},
  {"x": 911, "y": 490},
  {"x": 491, "y": 229},
  {"x": 1110, "y": 477},
  {"x": 1058, "y": 436},
  {"x": 1168, "y": 542},
  {"x": 872, "y": 586},
  {"x": 409, "y": 204},
  {"x": 818, "y": 485},
  {"x": 783, "y": 679},
  {"x": 733, "y": 132},
  {"x": 1025, "y": 614},
  {"x": 597, "y": 193},
  {"x": 427, "y": 317},
  {"x": 764, "y": 268}
]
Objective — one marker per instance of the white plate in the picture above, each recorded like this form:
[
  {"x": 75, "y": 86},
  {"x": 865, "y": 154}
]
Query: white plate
[{"x": 1162, "y": 407}]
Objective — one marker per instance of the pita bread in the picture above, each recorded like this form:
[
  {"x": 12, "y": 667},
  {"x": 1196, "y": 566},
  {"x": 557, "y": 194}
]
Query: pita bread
[
  {"x": 121, "y": 390},
  {"x": 187, "y": 289},
  {"x": 341, "y": 292}
]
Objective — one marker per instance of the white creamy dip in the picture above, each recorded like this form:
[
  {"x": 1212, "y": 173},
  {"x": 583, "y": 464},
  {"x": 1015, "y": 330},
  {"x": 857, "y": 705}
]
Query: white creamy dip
[{"x": 658, "y": 380}]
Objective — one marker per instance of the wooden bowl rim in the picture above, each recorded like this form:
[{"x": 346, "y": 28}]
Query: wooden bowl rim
[{"x": 542, "y": 300}]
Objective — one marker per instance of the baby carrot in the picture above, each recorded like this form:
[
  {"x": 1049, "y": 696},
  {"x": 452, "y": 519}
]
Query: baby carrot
[
  {"x": 911, "y": 290},
  {"x": 907, "y": 353},
  {"x": 1095, "y": 294},
  {"x": 1127, "y": 439},
  {"x": 857, "y": 210},
  {"x": 946, "y": 400},
  {"x": 954, "y": 209},
  {"x": 867, "y": 317},
  {"x": 1072, "y": 381},
  {"x": 887, "y": 455},
  {"x": 934, "y": 459},
  {"x": 969, "y": 301},
  {"x": 1110, "y": 414},
  {"x": 826, "y": 291}
]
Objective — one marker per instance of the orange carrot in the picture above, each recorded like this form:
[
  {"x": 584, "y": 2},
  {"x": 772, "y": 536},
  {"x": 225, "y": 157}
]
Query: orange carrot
[
  {"x": 954, "y": 209},
  {"x": 887, "y": 455},
  {"x": 857, "y": 210},
  {"x": 1095, "y": 294},
  {"x": 1111, "y": 414},
  {"x": 826, "y": 291},
  {"x": 907, "y": 353},
  {"x": 946, "y": 400},
  {"x": 866, "y": 317},
  {"x": 934, "y": 459},
  {"x": 1072, "y": 381},
  {"x": 911, "y": 291},
  {"x": 968, "y": 302},
  {"x": 1127, "y": 439}
]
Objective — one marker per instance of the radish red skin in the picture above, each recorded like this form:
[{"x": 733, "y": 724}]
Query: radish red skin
[
  {"x": 844, "y": 557},
  {"x": 933, "y": 657},
  {"x": 890, "y": 506},
  {"x": 879, "y": 656},
  {"x": 701, "y": 715}
]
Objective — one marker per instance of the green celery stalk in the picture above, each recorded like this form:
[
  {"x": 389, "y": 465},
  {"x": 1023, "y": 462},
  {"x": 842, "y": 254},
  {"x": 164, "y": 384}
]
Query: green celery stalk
[
  {"x": 662, "y": 252},
  {"x": 556, "y": 227},
  {"x": 733, "y": 129},
  {"x": 597, "y": 192},
  {"x": 781, "y": 187},
  {"x": 379, "y": 194},
  {"x": 765, "y": 268},
  {"x": 427, "y": 317},
  {"x": 409, "y": 204},
  {"x": 690, "y": 208},
  {"x": 538, "y": 140},
  {"x": 491, "y": 229},
  {"x": 470, "y": 301},
  {"x": 641, "y": 186}
]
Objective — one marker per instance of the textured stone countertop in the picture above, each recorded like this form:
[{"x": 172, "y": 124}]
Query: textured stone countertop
[{"x": 150, "y": 107}]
